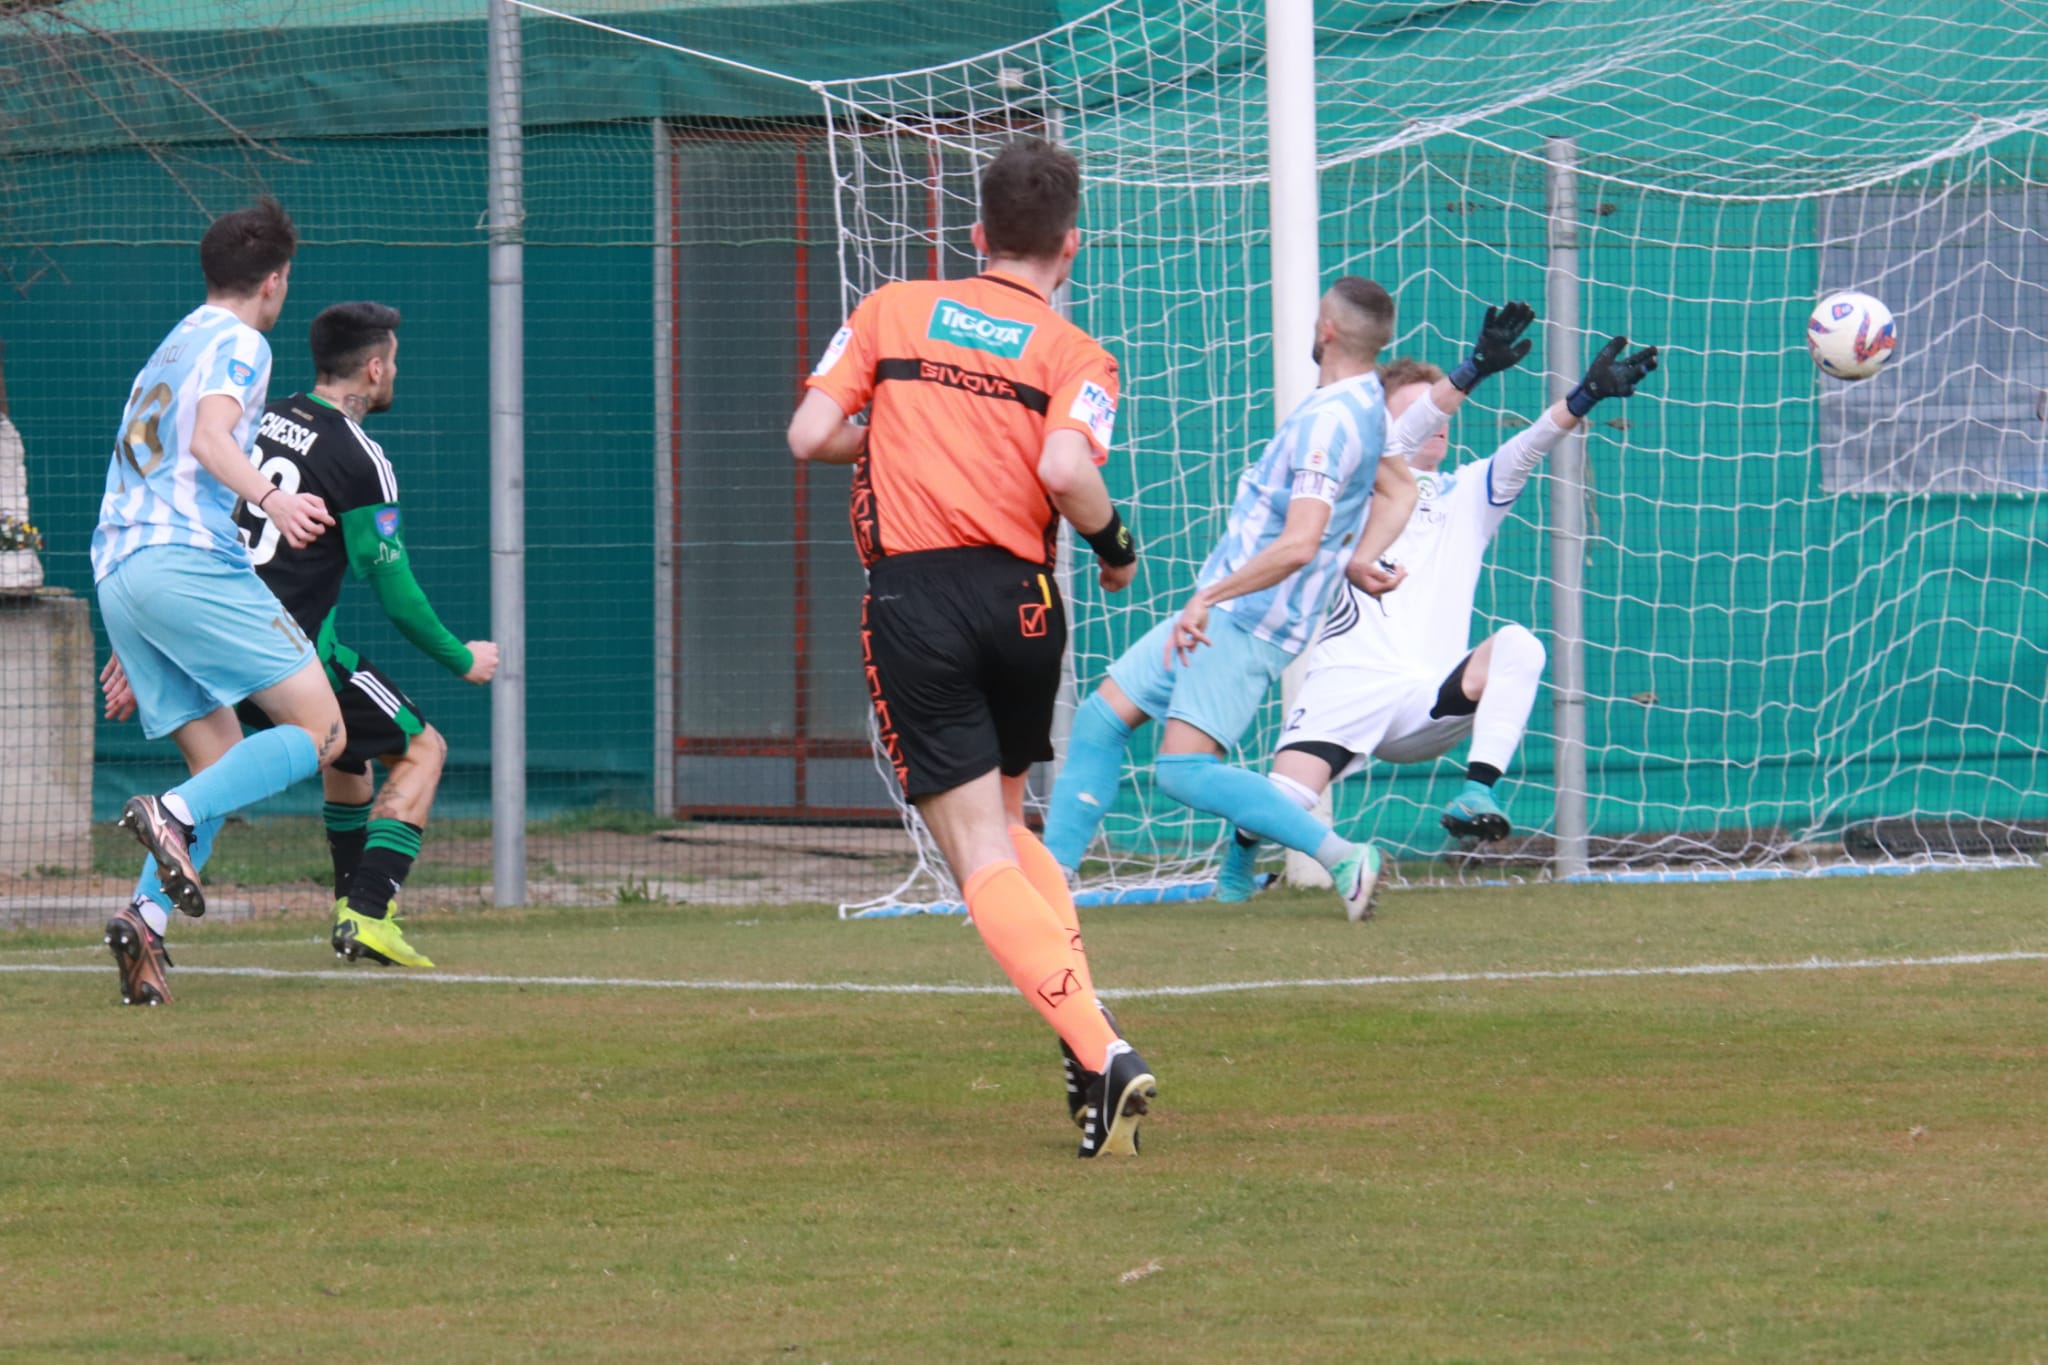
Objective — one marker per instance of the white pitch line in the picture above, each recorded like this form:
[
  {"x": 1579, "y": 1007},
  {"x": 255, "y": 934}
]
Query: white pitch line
[
  {"x": 1812, "y": 964},
  {"x": 370, "y": 974},
  {"x": 207, "y": 945}
]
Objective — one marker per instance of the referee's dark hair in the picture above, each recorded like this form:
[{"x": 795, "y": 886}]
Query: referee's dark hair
[
  {"x": 1030, "y": 198},
  {"x": 244, "y": 248},
  {"x": 347, "y": 334}
]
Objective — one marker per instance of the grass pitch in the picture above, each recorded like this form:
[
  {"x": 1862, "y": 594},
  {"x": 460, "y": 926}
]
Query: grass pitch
[{"x": 1827, "y": 1164}]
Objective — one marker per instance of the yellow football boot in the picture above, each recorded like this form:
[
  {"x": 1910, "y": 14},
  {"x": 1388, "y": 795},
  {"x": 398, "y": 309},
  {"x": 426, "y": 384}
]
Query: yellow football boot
[{"x": 356, "y": 935}]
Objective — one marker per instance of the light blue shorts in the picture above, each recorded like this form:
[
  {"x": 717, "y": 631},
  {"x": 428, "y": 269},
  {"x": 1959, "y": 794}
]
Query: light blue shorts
[
  {"x": 195, "y": 633},
  {"x": 1220, "y": 688}
]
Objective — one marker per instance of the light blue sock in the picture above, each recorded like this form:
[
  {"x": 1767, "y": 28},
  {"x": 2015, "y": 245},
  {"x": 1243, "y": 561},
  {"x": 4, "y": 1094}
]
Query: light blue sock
[
  {"x": 147, "y": 887},
  {"x": 262, "y": 765},
  {"x": 1250, "y": 802},
  {"x": 1088, "y": 780}
]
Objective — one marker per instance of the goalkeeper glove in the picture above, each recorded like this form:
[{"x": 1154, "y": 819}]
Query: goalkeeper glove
[
  {"x": 1498, "y": 347},
  {"x": 1611, "y": 375}
]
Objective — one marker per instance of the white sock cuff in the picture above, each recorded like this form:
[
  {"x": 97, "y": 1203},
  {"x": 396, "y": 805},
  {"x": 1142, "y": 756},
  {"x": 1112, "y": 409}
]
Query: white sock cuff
[
  {"x": 152, "y": 914},
  {"x": 1296, "y": 792}
]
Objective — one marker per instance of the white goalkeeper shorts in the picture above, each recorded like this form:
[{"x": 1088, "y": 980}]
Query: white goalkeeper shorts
[{"x": 1373, "y": 713}]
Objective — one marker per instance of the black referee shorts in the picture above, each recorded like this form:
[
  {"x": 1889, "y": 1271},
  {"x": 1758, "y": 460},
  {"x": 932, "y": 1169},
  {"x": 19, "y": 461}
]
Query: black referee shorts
[{"x": 962, "y": 649}]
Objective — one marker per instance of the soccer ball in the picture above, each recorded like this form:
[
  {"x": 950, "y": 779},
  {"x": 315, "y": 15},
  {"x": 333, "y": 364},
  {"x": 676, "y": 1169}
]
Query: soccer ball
[{"x": 1851, "y": 335}]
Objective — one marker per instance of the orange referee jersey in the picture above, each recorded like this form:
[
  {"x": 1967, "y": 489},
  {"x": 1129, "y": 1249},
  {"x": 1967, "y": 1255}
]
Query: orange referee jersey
[{"x": 966, "y": 377}]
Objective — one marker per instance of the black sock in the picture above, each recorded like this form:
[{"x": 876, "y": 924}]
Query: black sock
[
  {"x": 347, "y": 830},
  {"x": 1247, "y": 840},
  {"x": 388, "y": 854},
  {"x": 1485, "y": 774}
]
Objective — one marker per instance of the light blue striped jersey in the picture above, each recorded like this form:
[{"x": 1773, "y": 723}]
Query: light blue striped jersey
[
  {"x": 157, "y": 493},
  {"x": 1339, "y": 431}
]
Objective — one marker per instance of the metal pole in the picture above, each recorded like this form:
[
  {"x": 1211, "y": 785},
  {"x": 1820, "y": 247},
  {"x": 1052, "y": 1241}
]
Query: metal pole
[
  {"x": 508, "y": 460},
  {"x": 1293, "y": 214},
  {"x": 1561, "y": 344},
  {"x": 665, "y": 238},
  {"x": 1069, "y": 699},
  {"x": 1063, "y": 578}
]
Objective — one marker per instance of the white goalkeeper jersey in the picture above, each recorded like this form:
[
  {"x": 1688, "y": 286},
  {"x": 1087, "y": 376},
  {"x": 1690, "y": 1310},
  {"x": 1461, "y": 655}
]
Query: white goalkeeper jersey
[{"x": 1425, "y": 625}]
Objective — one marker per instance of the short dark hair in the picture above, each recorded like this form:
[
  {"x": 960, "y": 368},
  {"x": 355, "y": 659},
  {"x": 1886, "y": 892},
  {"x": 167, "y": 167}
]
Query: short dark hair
[
  {"x": 345, "y": 335},
  {"x": 1371, "y": 324},
  {"x": 1404, "y": 370},
  {"x": 1030, "y": 197},
  {"x": 244, "y": 248}
]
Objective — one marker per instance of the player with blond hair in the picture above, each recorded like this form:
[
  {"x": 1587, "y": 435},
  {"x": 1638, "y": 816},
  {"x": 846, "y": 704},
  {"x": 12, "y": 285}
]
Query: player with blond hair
[
  {"x": 1258, "y": 600},
  {"x": 1396, "y": 677}
]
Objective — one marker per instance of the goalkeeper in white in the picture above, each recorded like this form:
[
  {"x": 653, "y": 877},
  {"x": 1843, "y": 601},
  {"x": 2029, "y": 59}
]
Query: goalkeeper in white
[{"x": 1391, "y": 677}]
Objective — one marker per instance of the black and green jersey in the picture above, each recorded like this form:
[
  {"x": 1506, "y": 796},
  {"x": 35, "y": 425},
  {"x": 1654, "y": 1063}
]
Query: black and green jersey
[{"x": 307, "y": 445}]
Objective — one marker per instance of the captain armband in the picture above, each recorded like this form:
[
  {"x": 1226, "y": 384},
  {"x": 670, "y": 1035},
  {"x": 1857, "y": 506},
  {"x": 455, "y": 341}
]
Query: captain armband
[{"x": 1313, "y": 483}]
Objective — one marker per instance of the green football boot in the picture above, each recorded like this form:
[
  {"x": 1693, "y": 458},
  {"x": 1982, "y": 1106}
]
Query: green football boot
[{"x": 1474, "y": 814}]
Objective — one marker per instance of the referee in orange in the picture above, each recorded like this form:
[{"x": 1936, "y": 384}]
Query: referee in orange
[{"x": 988, "y": 416}]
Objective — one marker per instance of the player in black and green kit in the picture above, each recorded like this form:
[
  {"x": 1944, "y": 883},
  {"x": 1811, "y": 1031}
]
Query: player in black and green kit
[{"x": 313, "y": 443}]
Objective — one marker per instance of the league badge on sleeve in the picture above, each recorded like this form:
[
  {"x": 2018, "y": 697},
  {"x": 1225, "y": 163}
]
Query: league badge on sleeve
[
  {"x": 837, "y": 349},
  {"x": 242, "y": 372},
  {"x": 387, "y": 522},
  {"x": 1094, "y": 406}
]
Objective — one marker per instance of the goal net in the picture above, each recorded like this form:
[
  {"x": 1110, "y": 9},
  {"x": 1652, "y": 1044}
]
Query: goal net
[
  {"x": 1806, "y": 605},
  {"x": 1811, "y": 611}
]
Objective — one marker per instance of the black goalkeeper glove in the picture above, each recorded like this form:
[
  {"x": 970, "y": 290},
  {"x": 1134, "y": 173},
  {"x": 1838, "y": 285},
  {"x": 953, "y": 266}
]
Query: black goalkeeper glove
[
  {"x": 1498, "y": 347},
  {"x": 1611, "y": 375}
]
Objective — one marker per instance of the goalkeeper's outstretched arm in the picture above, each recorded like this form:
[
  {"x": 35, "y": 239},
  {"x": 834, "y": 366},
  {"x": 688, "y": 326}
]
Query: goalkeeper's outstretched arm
[
  {"x": 1611, "y": 375},
  {"x": 1499, "y": 346}
]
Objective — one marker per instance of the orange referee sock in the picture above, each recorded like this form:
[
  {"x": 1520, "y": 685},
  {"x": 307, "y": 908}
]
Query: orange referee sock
[
  {"x": 1036, "y": 952},
  {"x": 1043, "y": 871}
]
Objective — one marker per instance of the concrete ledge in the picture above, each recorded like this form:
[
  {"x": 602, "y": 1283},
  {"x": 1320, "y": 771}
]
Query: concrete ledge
[
  {"x": 46, "y": 734},
  {"x": 75, "y": 912}
]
